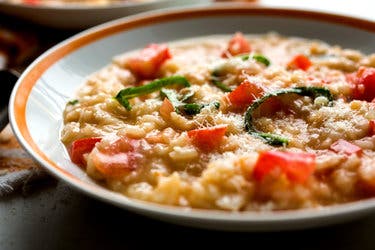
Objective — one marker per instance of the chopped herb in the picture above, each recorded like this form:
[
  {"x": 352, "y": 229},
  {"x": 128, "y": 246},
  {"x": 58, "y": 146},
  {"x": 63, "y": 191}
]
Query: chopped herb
[
  {"x": 124, "y": 95},
  {"x": 245, "y": 57},
  {"x": 194, "y": 108},
  {"x": 257, "y": 57},
  {"x": 217, "y": 71},
  {"x": 273, "y": 139},
  {"x": 73, "y": 102},
  {"x": 190, "y": 108},
  {"x": 184, "y": 108},
  {"x": 216, "y": 104},
  {"x": 216, "y": 76},
  {"x": 220, "y": 85},
  {"x": 262, "y": 59}
]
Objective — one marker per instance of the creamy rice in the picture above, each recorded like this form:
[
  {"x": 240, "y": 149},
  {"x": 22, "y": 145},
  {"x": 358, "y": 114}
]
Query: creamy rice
[{"x": 164, "y": 163}]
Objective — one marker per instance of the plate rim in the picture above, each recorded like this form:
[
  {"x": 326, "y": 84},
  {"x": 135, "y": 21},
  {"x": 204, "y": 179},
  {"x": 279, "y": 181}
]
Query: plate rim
[{"x": 23, "y": 87}]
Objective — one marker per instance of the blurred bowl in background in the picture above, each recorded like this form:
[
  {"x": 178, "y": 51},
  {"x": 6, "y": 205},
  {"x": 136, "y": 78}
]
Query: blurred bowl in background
[{"x": 73, "y": 16}]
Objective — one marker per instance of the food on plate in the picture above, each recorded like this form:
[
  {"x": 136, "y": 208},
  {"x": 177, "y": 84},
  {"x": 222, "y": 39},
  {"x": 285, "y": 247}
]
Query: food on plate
[
  {"x": 232, "y": 122},
  {"x": 74, "y": 2}
]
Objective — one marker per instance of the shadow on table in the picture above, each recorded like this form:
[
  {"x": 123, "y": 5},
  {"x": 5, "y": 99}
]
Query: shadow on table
[{"x": 61, "y": 218}]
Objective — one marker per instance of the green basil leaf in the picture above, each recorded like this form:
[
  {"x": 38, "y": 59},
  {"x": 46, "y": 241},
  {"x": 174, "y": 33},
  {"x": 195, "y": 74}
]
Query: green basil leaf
[
  {"x": 125, "y": 94},
  {"x": 73, "y": 102},
  {"x": 262, "y": 59},
  {"x": 273, "y": 139}
]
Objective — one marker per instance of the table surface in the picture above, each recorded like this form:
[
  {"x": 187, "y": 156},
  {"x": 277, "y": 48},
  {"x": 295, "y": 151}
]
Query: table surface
[
  {"x": 57, "y": 217},
  {"x": 52, "y": 215}
]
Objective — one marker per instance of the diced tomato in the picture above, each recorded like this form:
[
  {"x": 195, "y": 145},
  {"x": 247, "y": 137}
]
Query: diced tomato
[
  {"x": 166, "y": 108},
  {"x": 237, "y": 45},
  {"x": 115, "y": 165},
  {"x": 297, "y": 167},
  {"x": 117, "y": 159},
  {"x": 372, "y": 127},
  {"x": 362, "y": 84},
  {"x": 207, "y": 139},
  {"x": 80, "y": 147},
  {"x": 300, "y": 62},
  {"x": 244, "y": 94},
  {"x": 147, "y": 63},
  {"x": 343, "y": 146}
]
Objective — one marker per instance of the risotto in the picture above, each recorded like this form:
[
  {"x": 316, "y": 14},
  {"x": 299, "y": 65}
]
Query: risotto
[{"x": 238, "y": 123}]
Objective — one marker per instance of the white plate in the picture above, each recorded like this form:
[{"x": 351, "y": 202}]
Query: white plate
[
  {"x": 81, "y": 16},
  {"x": 40, "y": 95},
  {"x": 360, "y": 9}
]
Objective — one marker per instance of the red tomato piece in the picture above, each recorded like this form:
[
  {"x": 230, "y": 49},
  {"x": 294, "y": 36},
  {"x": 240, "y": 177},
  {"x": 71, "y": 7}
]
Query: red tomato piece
[
  {"x": 80, "y": 147},
  {"x": 237, "y": 45},
  {"x": 297, "y": 167},
  {"x": 115, "y": 165},
  {"x": 147, "y": 63},
  {"x": 363, "y": 84},
  {"x": 118, "y": 159},
  {"x": 300, "y": 62},
  {"x": 207, "y": 139},
  {"x": 372, "y": 127},
  {"x": 245, "y": 94},
  {"x": 343, "y": 146}
]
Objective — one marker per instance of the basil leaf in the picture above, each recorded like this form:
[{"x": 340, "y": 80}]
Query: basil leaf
[
  {"x": 245, "y": 57},
  {"x": 195, "y": 108},
  {"x": 262, "y": 59},
  {"x": 273, "y": 139},
  {"x": 216, "y": 104},
  {"x": 73, "y": 102},
  {"x": 184, "y": 108},
  {"x": 190, "y": 108},
  {"x": 257, "y": 57},
  {"x": 220, "y": 85},
  {"x": 125, "y": 94}
]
